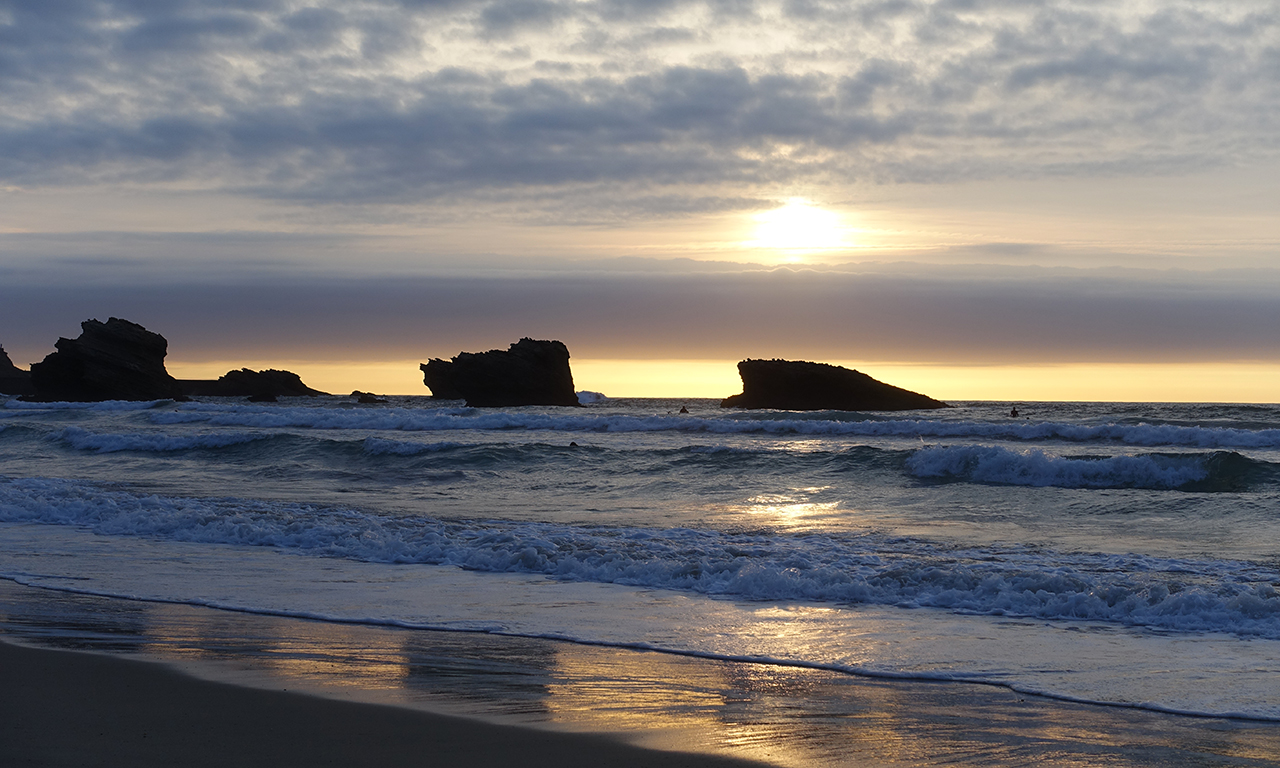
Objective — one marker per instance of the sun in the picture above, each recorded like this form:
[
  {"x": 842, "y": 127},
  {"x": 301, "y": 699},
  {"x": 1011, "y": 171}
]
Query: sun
[{"x": 799, "y": 226}]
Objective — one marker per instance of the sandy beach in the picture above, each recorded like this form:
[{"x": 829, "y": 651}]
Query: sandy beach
[
  {"x": 102, "y": 682},
  {"x": 64, "y": 708}
]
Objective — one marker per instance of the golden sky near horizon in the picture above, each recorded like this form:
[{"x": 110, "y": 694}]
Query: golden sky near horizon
[{"x": 717, "y": 379}]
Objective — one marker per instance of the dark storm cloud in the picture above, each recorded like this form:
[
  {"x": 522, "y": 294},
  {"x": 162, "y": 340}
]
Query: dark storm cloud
[
  {"x": 409, "y": 100},
  {"x": 1009, "y": 315}
]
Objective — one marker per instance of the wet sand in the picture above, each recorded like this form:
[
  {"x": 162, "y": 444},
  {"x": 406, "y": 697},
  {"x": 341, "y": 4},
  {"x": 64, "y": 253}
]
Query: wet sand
[
  {"x": 164, "y": 685},
  {"x": 67, "y": 708}
]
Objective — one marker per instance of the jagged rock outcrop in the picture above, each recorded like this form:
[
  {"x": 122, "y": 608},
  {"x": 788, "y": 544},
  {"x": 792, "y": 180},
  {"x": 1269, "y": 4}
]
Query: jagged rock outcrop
[
  {"x": 115, "y": 360},
  {"x": 265, "y": 386},
  {"x": 800, "y": 386},
  {"x": 530, "y": 372},
  {"x": 7, "y": 368},
  {"x": 13, "y": 380}
]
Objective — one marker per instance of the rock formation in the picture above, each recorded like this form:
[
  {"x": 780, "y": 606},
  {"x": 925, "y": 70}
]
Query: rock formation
[
  {"x": 263, "y": 385},
  {"x": 115, "y": 360},
  {"x": 7, "y": 368},
  {"x": 800, "y": 386},
  {"x": 529, "y": 373},
  {"x": 13, "y": 380}
]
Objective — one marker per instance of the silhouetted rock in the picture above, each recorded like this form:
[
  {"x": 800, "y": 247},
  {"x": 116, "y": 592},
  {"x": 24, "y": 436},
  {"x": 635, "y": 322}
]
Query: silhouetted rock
[
  {"x": 529, "y": 373},
  {"x": 13, "y": 380},
  {"x": 247, "y": 383},
  {"x": 263, "y": 397},
  {"x": 438, "y": 375},
  {"x": 115, "y": 360},
  {"x": 367, "y": 398},
  {"x": 7, "y": 368},
  {"x": 800, "y": 386}
]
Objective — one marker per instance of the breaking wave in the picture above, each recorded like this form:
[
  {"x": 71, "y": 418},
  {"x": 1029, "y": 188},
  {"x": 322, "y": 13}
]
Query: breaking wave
[
  {"x": 1218, "y": 471},
  {"x": 1015, "y": 580}
]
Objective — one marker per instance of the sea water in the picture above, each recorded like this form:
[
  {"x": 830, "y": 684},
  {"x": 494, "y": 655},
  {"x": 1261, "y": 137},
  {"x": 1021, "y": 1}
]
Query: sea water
[{"x": 1117, "y": 554}]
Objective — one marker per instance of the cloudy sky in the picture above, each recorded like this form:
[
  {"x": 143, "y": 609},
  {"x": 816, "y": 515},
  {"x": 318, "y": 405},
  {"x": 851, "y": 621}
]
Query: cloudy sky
[{"x": 972, "y": 198}]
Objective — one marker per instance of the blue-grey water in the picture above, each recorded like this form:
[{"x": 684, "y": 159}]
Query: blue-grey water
[{"x": 1118, "y": 554}]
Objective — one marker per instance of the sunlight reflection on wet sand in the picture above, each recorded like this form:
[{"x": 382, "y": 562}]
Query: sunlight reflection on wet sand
[{"x": 786, "y": 716}]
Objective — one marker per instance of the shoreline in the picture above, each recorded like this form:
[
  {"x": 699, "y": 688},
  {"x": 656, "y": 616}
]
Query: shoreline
[
  {"x": 105, "y": 682},
  {"x": 72, "y": 708}
]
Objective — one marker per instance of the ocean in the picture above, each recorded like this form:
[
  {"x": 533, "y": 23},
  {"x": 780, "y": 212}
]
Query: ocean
[{"x": 1117, "y": 555}]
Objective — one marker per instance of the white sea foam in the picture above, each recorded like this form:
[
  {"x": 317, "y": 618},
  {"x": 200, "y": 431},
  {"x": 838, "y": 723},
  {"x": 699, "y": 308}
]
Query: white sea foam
[
  {"x": 978, "y": 547},
  {"x": 446, "y": 419},
  {"x": 587, "y": 397},
  {"x": 1091, "y": 662},
  {"x": 993, "y": 464},
  {"x": 83, "y": 440},
  {"x": 1137, "y": 590}
]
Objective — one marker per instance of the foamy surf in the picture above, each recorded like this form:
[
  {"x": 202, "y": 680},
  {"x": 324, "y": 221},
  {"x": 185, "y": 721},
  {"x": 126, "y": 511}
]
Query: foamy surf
[
  {"x": 958, "y": 545},
  {"x": 1130, "y": 590},
  {"x": 1102, "y": 664}
]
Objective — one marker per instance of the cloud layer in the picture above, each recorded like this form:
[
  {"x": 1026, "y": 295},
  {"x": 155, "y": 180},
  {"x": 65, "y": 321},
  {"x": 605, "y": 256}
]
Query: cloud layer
[
  {"x": 952, "y": 315},
  {"x": 612, "y": 99}
]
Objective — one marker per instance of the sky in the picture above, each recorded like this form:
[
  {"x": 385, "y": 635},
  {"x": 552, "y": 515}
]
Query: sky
[{"x": 1022, "y": 200}]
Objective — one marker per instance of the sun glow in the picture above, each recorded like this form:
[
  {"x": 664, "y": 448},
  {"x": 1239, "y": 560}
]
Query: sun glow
[
  {"x": 799, "y": 226},
  {"x": 1240, "y": 382}
]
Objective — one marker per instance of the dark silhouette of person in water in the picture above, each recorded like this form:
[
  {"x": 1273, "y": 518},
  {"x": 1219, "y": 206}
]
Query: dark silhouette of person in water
[
  {"x": 683, "y": 409},
  {"x": 1014, "y": 412}
]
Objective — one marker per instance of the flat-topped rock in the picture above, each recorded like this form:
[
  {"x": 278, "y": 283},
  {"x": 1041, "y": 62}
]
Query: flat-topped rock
[
  {"x": 789, "y": 385},
  {"x": 115, "y": 360},
  {"x": 246, "y": 383},
  {"x": 530, "y": 372}
]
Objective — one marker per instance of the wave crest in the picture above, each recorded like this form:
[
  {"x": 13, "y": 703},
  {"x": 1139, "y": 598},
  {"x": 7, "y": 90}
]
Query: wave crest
[
  {"x": 1003, "y": 466},
  {"x": 1134, "y": 590}
]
